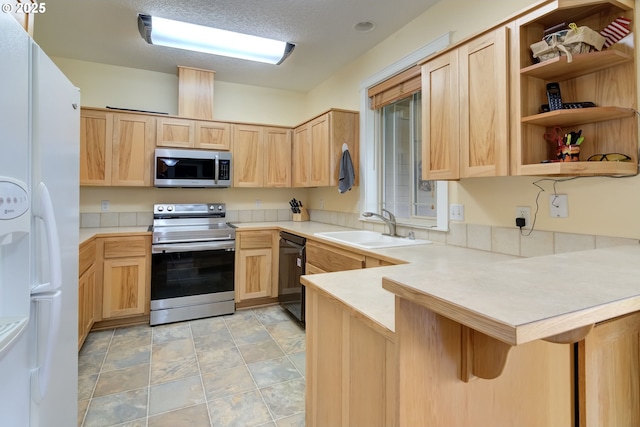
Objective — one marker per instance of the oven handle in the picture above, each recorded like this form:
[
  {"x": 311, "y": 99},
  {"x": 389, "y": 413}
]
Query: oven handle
[{"x": 193, "y": 247}]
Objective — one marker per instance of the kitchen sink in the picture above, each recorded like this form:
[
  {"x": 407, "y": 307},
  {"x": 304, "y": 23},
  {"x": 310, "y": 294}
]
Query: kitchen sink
[{"x": 369, "y": 239}]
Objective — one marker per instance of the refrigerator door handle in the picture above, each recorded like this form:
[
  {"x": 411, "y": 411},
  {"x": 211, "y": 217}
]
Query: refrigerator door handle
[
  {"x": 43, "y": 209},
  {"x": 47, "y": 334}
]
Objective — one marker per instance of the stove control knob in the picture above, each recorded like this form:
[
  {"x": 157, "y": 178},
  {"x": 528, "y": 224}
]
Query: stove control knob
[
  {"x": 211, "y": 207},
  {"x": 169, "y": 208},
  {"x": 160, "y": 208},
  {"x": 219, "y": 207}
]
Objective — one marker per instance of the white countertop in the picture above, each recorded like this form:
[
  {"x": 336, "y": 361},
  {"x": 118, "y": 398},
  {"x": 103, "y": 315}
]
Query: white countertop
[
  {"x": 88, "y": 233},
  {"x": 529, "y": 298}
]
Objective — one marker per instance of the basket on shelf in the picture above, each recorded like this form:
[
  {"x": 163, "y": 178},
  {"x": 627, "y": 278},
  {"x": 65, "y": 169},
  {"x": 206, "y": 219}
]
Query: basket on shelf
[{"x": 569, "y": 42}]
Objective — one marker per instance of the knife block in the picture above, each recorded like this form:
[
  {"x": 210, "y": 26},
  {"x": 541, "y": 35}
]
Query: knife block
[{"x": 302, "y": 216}]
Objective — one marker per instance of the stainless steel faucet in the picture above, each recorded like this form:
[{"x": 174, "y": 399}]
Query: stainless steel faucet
[{"x": 391, "y": 221}]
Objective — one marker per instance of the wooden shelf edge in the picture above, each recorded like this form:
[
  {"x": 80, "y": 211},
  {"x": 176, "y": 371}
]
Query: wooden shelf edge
[
  {"x": 580, "y": 168},
  {"x": 577, "y": 116},
  {"x": 559, "y": 69}
]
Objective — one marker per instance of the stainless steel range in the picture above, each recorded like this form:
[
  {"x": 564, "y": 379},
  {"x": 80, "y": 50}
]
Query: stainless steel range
[{"x": 193, "y": 262}]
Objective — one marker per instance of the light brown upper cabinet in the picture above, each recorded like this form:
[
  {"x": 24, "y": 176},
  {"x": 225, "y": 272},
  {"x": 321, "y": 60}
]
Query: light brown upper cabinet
[
  {"x": 186, "y": 133},
  {"x": 116, "y": 149},
  {"x": 465, "y": 105},
  {"x": 606, "y": 78},
  {"x": 261, "y": 156},
  {"x": 317, "y": 148},
  {"x": 133, "y": 144}
]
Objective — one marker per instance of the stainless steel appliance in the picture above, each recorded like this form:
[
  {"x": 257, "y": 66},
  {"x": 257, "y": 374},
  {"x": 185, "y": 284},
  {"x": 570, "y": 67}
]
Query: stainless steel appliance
[
  {"x": 192, "y": 168},
  {"x": 292, "y": 259},
  {"x": 193, "y": 261}
]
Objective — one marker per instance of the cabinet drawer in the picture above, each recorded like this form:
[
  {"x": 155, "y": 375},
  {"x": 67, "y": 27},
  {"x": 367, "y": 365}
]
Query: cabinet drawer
[
  {"x": 86, "y": 256},
  {"x": 120, "y": 247},
  {"x": 330, "y": 258},
  {"x": 256, "y": 239}
]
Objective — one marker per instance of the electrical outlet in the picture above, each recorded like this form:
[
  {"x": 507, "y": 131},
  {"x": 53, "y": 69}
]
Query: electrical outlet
[
  {"x": 104, "y": 206},
  {"x": 456, "y": 212},
  {"x": 558, "y": 206},
  {"x": 524, "y": 212},
  {"x": 258, "y": 203}
]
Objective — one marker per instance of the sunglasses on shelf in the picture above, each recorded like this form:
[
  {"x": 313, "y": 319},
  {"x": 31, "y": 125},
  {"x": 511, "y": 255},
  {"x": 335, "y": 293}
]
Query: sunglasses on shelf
[{"x": 610, "y": 157}]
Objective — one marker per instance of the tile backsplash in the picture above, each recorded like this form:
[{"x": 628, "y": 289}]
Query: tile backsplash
[{"x": 504, "y": 240}]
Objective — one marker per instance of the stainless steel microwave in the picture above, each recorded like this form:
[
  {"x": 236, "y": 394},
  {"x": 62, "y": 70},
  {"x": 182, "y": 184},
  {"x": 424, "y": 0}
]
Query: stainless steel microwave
[{"x": 192, "y": 168}]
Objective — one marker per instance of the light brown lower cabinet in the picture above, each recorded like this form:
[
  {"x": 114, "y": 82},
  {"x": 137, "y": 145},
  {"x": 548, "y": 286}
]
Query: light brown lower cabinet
[
  {"x": 351, "y": 367},
  {"x": 86, "y": 289},
  {"x": 256, "y": 271},
  {"x": 609, "y": 372},
  {"x": 126, "y": 277}
]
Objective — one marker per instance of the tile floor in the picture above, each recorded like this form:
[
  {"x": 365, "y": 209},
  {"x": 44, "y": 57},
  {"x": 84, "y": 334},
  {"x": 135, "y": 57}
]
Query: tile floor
[{"x": 241, "y": 370}]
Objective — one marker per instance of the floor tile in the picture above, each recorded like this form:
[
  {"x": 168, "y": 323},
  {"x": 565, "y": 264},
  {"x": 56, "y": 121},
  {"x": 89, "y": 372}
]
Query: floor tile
[
  {"x": 90, "y": 364},
  {"x": 126, "y": 358},
  {"x": 296, "y": 420},
  {"x": 194, "y": 416},
  {"x": 227, "y": 382},
  {"x": 174, "y": 350},
  {"x": 284, "y": 399},
  {"x": 219, "y": 359},
  {"x": 271, "y": 315},
  {"x": 217, "y": 340},
  {"x": 299, "y": 360},
  {"x": 289, "y": 336},
  {"x": 96, "y": 342},
  {"x": 170, "y": 332},
  {"x": 175, "y": 369},
  {"x": 141, "y": 422},
  {"x": 117, "y": 408},
  {"x": 86, "y": 384},
  {"x": 208, "y": 326},
  {"x": 240, "y": 410},
  {"x": 249, "y": 334},
  {"x": 259, "y": 351},
  {"x": 135, "y": 336},
  {"x": 82, "y": 409},
  {"x": 120, "y": 380},
  {"x": 175, "y": 395},
  {"x": 273, "y": 371}
]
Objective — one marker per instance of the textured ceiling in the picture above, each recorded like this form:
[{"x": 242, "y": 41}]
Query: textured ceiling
[{"x": 106, "y": 31}]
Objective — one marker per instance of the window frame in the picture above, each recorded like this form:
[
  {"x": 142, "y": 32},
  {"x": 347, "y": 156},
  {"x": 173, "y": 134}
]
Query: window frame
[{"x": 370, "y": 148}]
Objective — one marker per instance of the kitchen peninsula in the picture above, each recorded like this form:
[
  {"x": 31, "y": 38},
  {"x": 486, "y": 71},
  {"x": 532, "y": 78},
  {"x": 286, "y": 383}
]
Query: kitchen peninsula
[{"x": 476, "y": 342}]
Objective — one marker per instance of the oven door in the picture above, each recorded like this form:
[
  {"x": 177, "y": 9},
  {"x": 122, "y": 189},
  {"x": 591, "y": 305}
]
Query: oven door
[{"x": 184, "y": 273}]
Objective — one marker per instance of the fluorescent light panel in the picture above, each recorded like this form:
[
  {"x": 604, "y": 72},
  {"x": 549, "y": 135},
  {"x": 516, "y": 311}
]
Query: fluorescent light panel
[{"x": 182, "y": 35}]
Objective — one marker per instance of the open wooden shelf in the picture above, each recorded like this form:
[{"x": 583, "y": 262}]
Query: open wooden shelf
[
  {"x": 580, "y": 168},
  {"x": 578, "y": 116},
  {"x": 558, "y": 69}
]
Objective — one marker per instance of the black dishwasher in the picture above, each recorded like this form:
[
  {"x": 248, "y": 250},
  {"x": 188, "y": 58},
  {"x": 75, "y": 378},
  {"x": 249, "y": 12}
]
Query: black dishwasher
[{"x": 292, "y": 259}]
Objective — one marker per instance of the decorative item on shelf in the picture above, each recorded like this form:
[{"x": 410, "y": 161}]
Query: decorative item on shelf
[
  {"x": 569, "y": 42},
  {"x": 609, "y": 157},
  {"x": 571, "y": 153},
  {"x": 556, "y": 137},
  {"x": 616, "y": 31}
]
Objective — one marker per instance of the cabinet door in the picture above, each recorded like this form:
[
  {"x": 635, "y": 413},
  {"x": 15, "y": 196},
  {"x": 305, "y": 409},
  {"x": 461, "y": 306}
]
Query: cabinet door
[
  {"x": 319, "y": 151},
  {"x": 175, "y": 133},
  {"x": 301, "y": 157},
  {"x": 86, "y": 297},
  {"x": 213, "y": 135},
  {"x": 484, "y": 103},
  {"x": 253, "y": 275},
  {"x": 133, "y": 142},
  {"x": 124, "y": 287},
  {"x": 248, "y": 156},
  {"x": 440, "y": 118},
  {"x": 96, "y": 128},
  {"x": 277, "y": 158}
]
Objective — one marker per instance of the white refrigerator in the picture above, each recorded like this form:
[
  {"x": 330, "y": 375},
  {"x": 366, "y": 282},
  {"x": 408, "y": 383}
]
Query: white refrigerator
[{"x": 39, "y": 215}]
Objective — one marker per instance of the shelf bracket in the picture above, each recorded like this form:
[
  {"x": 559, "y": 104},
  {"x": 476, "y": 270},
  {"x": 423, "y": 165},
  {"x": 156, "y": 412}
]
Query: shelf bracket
[
  {"x": 482, "y": 356},
  {"x": 571, "y": 336}
]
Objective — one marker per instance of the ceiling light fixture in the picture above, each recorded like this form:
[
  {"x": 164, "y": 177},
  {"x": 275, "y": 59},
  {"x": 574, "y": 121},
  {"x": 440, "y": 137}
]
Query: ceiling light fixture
[{"x": 182, "y": 35}]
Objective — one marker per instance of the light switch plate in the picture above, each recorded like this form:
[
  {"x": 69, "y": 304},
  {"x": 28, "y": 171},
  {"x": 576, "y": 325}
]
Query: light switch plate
[
  {"x": 558, "y": 206},
  {"x": 456, "y": 212}
]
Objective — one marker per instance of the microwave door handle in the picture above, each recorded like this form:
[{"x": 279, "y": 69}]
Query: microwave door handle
[{"x": 217, "y": 170}]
